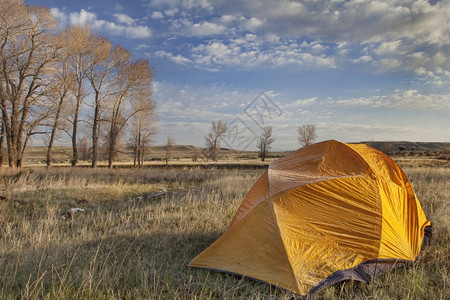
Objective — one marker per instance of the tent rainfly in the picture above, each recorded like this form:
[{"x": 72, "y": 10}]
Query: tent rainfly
[{"x": 326, "y": 213}]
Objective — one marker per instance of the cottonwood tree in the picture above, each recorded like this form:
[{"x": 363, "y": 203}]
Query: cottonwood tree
[
  {"x": 133, "y": 81},
  {"x": 212, "y": 140},
  {"x": 102, "y": 63},
  {"x": 142, "y": 127},
  {"x": 197, "y": 153},
  {"x": 168, "y": 148},
  {"x": 80, "y": 44},
  {"x": 84, "y": 149},
  {"x": 2, "y": 139},
  {"x": 388, "y": 148},
  {"x": 59, "y": 89},
  {"x": 264, "y": 142},
  {"x": 27, "y": 48},
  {"x": 307, "y": 134}
]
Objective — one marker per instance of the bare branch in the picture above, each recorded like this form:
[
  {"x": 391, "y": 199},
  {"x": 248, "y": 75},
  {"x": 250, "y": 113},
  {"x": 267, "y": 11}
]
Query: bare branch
[
  {"x": 264, "y": 142},
  {"x": 307, "y": 134}
]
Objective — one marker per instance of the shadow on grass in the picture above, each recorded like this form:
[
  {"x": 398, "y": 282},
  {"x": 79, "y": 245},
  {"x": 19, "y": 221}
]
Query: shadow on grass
[{"x": 152, "y": 265}]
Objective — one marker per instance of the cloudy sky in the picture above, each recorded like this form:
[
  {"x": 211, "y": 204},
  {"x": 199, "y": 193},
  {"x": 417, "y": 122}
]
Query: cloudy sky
[{"x": 360, "y": 70}]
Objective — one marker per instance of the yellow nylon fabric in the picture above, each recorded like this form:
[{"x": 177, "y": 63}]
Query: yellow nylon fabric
[
  {"x": 324, "y": 208},
  {"x": 257, "y": 194},
  {"x": 403, "y": 219},
  {"x": 252, "y": 248},
  {"x": 330, "y": 240}
]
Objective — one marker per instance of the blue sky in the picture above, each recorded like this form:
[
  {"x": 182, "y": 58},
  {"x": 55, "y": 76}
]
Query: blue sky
[{"x": 360, "y": 70}]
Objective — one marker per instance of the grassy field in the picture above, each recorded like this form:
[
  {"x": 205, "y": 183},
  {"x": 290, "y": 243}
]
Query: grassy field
[{"x": 126, "y": 245}]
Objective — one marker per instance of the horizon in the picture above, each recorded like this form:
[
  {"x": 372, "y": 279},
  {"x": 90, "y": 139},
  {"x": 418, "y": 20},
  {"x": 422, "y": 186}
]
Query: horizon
[
  {"x": 277, "y": 150},
  {"x": 357, "y": 70}
]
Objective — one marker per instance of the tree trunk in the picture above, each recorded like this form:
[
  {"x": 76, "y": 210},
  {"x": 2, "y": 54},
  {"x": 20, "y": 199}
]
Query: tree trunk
[
  {"x": 13, "y": 139},
  {"x": 263, "y": 152},
  {"x": 142, "y": 150},
  {"x": 2, "y": 138},
  {"x": 110, "y": 162},
  {"x": 134, "y": 156},
  {"x": 94, "y": 144},
  {"x": 138, "y": 148},
  {"x": 53, "y": 134},
  {"x": 11, "y": 151},
  {"x": 8, "y": 131},
  {"x": 75, "y": 129},
  {"x": 95, "y": 132},
  {"x": 112, "y": 141},
  {"x": 111, "y": 150}
]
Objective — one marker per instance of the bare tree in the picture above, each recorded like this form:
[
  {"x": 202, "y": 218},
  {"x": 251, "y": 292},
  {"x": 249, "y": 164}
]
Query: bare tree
[
  {"x": 84, "y": 149},
  {"x": 212, "y": 140},
  {"x": 79, "y": 47},
  {"x": 168, "y": 148},
  {"x": 133, "y": 80},
  {"x": 264, "y": 143},
  {"x": 27, "y": 48},
  {"x": 141, "y": 127},
  {"x": 98, "y": 74},
  {"x": 197, "y": 153},
  {"x": 2, "y": 138},
  {"x": 388, "y": 148},
  {"x": 60, "y": 87},
  {"x": 307, "y": 134}
]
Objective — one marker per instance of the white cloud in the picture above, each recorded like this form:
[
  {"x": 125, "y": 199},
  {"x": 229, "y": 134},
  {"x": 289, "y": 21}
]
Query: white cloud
[
  {"x": 126, "y": 26},
  {"x": 388, "y": 34},
  {"x": 124, "y": 19},
  {"x": 139, "y": 31},
  {"x": 409, "y": 99},
  {"x": 82, "y": 18},
  {"x": 227, "y": 19},
  {"x": 388, "y": 64},
  {"x": 248, "y": 53},
  {"x": 142, "y": 47},
  {"x": 364, "y": 58},
  {"x": 118, "y": 7},
  {"x": 253, "y": 24},
  {"x": 301, "y": 102},
  {"x": 176, "y": 58},
  {"x": 389, "y": 47},
  {"x": 171, "y": 12},
  {"x": 206, "y": 28},
  {"x": 157, "y": 15},
  {"x": 406, "y": 35},
  {"x": 60, "y": 15}
]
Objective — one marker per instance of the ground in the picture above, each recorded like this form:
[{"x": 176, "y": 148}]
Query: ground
[{"x": 128, "y": 244}]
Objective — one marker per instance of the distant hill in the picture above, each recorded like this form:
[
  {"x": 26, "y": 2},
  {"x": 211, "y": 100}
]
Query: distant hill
[{"x": 410, "y": 146}]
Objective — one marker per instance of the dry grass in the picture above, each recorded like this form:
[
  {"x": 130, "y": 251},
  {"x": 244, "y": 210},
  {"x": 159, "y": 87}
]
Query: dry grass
[{"x": 125, "y": 246}]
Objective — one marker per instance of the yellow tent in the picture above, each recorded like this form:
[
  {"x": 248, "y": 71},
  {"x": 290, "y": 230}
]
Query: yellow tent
[{"x": 326, "y": 213}]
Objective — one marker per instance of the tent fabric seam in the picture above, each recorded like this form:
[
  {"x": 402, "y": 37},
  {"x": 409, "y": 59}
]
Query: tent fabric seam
[
  {"x": 381, "y": 215},
  {"x": 372, "y": 173},
  {"x": 284, "y": 246},
  {"x": 253, "y": 208},
  {"x": 321, "y": 180}
]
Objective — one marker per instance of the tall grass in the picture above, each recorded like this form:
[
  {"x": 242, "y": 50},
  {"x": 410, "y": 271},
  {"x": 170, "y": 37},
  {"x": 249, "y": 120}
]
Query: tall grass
[{"x": 127, "y": 245}]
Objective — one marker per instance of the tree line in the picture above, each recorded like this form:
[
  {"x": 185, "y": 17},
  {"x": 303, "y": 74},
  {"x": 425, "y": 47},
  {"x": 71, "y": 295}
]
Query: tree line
[
  {"x": 58, "y": 82},
  {"x": 306, "y": 135}
]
